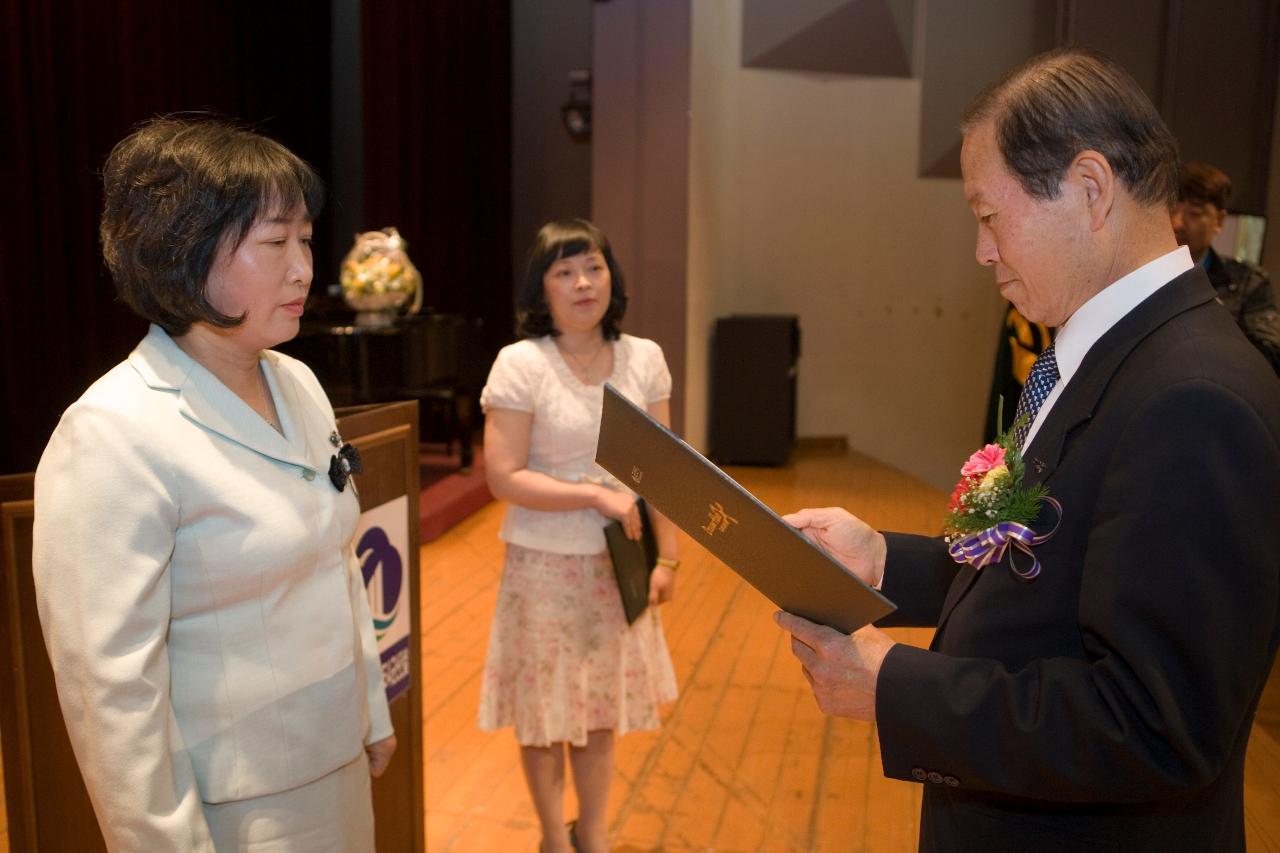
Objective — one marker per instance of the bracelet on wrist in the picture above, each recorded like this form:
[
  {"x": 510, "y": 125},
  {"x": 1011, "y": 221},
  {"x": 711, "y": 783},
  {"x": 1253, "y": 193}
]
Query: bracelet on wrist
[{"x": 668, "y": 562}]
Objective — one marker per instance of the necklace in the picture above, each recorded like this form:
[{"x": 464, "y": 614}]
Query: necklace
[
  {"x": 269, "y": 414},
  {"x": 584, "y": 367}
]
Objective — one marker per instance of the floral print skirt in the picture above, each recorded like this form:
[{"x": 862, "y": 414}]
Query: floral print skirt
[{"x": 562, "y": 660}]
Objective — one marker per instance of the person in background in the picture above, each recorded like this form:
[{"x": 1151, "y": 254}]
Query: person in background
[
  {"x": 199, "y": 596},
  {"x": 1094, "y": 689},
  {"x": 1243, "y": 289},
  {"x": 563, "y": 666}
]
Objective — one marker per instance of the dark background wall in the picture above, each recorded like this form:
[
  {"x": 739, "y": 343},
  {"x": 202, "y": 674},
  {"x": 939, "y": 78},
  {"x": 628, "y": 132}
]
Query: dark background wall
[
  {"x": 1210, "y": 68},
  {"x": 550, "y": 172},
  {"x": 441, "y": 118},
  {"x": 642, "y": 53},
  {"x": 431, "y": 135}
]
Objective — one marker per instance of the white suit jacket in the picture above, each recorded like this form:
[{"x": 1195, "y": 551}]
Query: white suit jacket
[{"x": 199, "y": 596}]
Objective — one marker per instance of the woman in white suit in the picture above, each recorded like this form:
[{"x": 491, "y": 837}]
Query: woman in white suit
[{"x": 200, "y": 599}]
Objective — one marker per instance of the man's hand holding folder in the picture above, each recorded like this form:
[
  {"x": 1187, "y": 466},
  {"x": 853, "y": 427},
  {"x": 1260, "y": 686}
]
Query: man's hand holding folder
[
  {"x": 851, "y": 541},
  {"x": 842, "y": 669}
]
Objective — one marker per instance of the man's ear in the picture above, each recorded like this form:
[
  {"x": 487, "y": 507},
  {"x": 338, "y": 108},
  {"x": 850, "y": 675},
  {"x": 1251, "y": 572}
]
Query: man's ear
[{"x": 1093, "y": 173}]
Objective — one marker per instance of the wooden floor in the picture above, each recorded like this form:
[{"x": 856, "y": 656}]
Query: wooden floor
[{"x": 744, "y": 761}]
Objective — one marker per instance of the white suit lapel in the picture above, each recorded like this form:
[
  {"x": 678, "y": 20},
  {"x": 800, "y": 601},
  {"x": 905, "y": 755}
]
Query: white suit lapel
[
  {"x": 204, "y": 400},
  {"x": 303, "y": 416}
]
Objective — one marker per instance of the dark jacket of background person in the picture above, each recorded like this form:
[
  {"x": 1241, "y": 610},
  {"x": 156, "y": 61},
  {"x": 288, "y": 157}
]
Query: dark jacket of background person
[{"x": 1245, "y": 291}]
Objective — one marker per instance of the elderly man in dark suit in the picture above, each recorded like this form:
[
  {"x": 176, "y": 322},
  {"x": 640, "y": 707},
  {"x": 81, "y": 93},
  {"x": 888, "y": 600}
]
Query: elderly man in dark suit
[{"x": 1106, "y": 703}]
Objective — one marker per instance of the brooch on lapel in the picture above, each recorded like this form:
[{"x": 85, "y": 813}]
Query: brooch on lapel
[
  {"x": 991, "y": 509},
  {"x": 344, "y": 463}
]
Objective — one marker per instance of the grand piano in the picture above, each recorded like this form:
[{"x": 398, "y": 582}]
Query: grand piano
[{"x": 434, "y": 358}]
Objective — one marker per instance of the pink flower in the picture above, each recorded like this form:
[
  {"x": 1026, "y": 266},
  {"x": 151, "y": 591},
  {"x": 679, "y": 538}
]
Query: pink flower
[{"x": 991, "y": 456}]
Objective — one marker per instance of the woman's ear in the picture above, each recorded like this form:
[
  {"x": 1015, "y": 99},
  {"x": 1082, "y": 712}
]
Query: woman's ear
[{"x": 1094, "y": 176}]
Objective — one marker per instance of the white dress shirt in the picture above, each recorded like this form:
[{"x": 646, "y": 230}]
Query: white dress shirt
[{"x": 1095, "y": 318}]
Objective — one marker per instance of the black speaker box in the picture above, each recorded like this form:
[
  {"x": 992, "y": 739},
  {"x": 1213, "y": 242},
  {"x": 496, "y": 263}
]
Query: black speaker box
[{"x": 753, "y": 389}]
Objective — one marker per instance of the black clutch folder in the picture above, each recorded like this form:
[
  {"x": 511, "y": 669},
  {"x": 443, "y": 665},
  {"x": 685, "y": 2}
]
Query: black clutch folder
[
  {"x": 730, "y": 522},
  {"x": 633, "y": 560}
]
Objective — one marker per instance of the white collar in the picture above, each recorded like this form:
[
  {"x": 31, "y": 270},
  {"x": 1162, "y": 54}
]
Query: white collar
[
  {"x": 1095, "y": 318},
  {"x": 204, "y": 399}
]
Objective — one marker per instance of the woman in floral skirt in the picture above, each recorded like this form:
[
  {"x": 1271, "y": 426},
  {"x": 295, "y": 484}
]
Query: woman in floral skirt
[{"x": 563, "y": 666}]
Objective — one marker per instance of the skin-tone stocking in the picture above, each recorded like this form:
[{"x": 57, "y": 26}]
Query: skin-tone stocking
[
  {"x": 544, "y": 773},
  {"x": 592, "y": 775}
]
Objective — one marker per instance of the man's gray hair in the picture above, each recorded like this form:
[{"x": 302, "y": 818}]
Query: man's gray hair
[{"x": 1057, "y": 104}]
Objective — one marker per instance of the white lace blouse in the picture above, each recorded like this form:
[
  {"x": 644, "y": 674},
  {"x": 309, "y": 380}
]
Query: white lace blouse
[{"x": 532, "y": 376}]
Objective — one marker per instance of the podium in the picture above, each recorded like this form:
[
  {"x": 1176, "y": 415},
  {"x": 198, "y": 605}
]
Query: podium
[{"x": 47, "y": 804}]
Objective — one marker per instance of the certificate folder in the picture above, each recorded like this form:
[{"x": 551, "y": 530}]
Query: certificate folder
[
  {"x": 730, "y": 522},
  {"x": 633, "y": 560}
]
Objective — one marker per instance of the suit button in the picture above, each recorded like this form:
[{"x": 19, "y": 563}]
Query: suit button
[
  {"x": 951, "y": 781},
  {"x": 918, "y": 774},
  {"x": 308, "y": 474},
  {"x": 935, "y": 777}
]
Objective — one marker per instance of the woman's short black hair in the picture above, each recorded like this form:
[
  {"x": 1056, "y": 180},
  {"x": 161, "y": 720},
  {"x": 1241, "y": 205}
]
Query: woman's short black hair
[
  {"x": 565, "y": 238},
  {"x": 178, "y": 188},
  {"x": 1057, "y": 104}
]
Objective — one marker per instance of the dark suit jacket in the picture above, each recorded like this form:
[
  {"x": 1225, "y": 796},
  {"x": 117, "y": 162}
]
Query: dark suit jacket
[{"x": 1107, "y": 704}]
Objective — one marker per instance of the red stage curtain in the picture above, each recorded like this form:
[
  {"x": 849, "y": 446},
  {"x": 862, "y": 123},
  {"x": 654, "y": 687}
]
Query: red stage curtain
[
  {"x": 437, "y": 147},
  {"x": 78, "y": 75}
]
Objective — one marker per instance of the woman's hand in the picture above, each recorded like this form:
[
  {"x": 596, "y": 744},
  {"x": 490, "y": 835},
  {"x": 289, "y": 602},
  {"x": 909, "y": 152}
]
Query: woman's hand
[
  {"x": 662, "y": 585},
  {"x": 380, "y": 753},
  {"x": 622, "y": 507}
]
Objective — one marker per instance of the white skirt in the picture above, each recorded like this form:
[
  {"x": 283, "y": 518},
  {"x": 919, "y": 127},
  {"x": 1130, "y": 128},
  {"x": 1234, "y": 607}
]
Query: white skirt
[{"x": 333, "y": 814}]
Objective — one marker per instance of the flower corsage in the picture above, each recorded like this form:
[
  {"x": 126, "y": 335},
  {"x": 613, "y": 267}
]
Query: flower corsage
[
  {"x": 991, "y": 509},
  {"x": 344, "y": 463}
]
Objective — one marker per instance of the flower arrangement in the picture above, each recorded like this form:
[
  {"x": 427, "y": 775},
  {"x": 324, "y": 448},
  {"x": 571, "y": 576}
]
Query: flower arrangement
[
  {"x": 378, "y": 279},
  {"x": 991, "y": 509}
]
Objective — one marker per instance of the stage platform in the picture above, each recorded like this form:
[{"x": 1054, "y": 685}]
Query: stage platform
[{"x": 449, "y": 493}]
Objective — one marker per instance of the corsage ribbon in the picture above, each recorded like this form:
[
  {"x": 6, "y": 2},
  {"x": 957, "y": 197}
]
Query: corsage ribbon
[{"x": 989, "y": 546}]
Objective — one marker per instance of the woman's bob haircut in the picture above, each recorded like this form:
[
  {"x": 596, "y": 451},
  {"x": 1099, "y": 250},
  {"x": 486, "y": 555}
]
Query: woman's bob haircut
[
  {"x": 177, "y": 190},
  {"x": 565, "y": 238}
]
